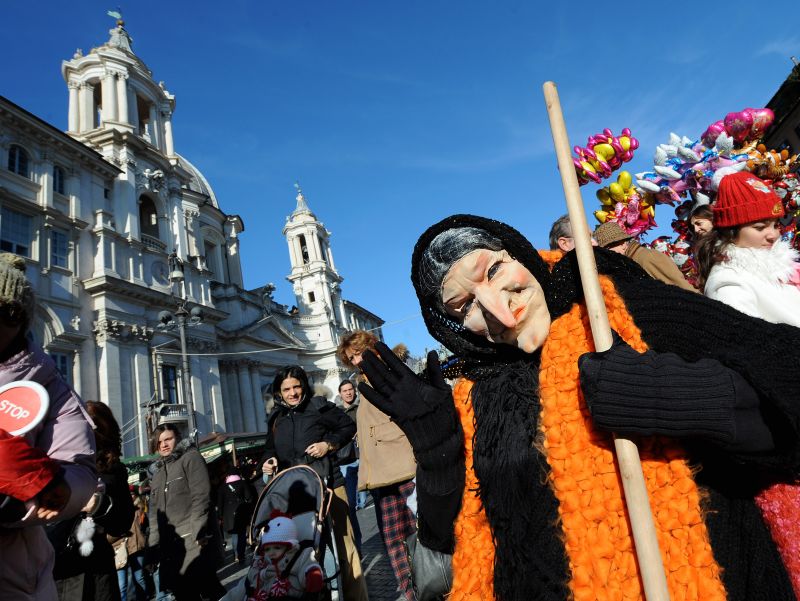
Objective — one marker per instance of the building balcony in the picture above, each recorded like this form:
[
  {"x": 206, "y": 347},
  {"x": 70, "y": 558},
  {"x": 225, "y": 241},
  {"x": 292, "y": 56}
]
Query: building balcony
[
  {"x": 170, "y": 414},
  {"x": 154, "y": 243}
]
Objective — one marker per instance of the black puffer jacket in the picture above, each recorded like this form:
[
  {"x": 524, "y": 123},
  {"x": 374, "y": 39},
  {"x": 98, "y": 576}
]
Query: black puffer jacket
[{"x": 291, "y": 429}]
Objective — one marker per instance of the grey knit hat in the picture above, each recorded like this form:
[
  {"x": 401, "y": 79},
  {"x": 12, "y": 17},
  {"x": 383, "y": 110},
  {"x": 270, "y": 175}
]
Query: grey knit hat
[{"x": 16, "y": 294}]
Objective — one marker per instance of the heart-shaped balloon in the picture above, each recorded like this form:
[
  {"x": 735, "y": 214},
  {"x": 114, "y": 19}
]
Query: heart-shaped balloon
[
  {"x": 711, "y": 134},
  {"x": 762, "y": 119},
  {"x": 738, "y": 125}
]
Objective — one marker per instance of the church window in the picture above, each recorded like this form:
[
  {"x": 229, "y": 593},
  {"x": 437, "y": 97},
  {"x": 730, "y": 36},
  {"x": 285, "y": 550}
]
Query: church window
[
  {"x": 143, "y": 114},
  {"x": 212, "y": 262},
  {"x": 62, "y": 361},
  {"x": 322, "y": 249},
  {"x": 311, "y": 297},
  {"x": 148, "y": 217},
  {"x": 59, "y": 248},
  {"x": 98, "y": 107},
  {"x": 303, "y": 248},
  {"x": 15, "y": 232},
  {"x": 18, "y": 160},
  {"x": 58, "y": 179},
  {"x": 169, "y": 382}
]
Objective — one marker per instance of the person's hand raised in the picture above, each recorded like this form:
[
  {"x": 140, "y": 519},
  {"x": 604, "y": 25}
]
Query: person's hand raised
[{"x": 423, "y": 410}]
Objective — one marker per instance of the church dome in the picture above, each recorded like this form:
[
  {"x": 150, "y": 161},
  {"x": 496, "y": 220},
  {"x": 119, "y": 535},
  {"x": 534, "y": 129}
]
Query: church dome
[{"x": 198, "y": 183}]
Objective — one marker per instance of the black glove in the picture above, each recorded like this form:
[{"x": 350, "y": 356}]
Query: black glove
[
  {"x": 423, "y": 410},
  {"x": 662, "y": 394}
]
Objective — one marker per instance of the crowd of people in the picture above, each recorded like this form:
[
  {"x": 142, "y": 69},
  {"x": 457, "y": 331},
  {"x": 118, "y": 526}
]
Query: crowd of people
[{"x": 500, "y": 468}]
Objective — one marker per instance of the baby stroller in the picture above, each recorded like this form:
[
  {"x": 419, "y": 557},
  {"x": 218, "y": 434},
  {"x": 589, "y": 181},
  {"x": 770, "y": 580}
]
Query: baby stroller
[{"x": 299, "y": 492}]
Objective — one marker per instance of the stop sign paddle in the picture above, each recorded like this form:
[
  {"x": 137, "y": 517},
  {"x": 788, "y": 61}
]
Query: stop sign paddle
[{"x": 23, "y": 405}]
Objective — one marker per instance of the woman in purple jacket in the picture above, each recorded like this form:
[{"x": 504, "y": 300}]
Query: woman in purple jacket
[{"x": 65, "y": 435}]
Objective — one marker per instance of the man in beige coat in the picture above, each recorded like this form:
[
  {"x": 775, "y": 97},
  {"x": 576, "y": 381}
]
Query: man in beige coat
[
  {"x": 387, "y": 467},
  {"x": 611, "y": 236}
]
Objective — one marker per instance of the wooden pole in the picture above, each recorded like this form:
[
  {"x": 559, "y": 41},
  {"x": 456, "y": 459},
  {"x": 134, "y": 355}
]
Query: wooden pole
[{"x": 637, "y": 502}]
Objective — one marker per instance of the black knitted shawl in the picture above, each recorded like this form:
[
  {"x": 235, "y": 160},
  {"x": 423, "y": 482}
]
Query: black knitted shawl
[{"x": 530, "y": 562}]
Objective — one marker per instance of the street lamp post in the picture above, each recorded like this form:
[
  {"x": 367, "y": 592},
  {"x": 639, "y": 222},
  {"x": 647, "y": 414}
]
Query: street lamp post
[
  {"x": 180, "y": 317},
  {"x": 181, "y": 320}
]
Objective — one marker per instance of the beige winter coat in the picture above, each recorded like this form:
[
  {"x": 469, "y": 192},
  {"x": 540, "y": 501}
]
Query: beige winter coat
[{"x": 385, "y": 454}]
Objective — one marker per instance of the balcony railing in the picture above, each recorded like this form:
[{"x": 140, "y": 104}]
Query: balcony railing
[
  {"x": 173, "y": 413},
  {"x": 154, "y": 243}
]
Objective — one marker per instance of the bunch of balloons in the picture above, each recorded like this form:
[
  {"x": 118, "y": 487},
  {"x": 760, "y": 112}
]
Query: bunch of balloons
[
  {"x": 622, "y": 202},
  {"x": 771, "y": 164},
  {"x": 603, "y": 154},
  {"x": 688, "y": 169},
  {"x": 743, "y": 126}
]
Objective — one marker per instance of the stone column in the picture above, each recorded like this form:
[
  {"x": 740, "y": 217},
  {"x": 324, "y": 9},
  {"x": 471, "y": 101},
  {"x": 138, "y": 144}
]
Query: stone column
[
  {"x": 169, "y": 146},
  {"x": 73, "y": 190},
  {"x": 133, "y": 108},
  {"x": 258, "y": 401},
  {"x": 298, "y": 251},
  {"x": 292, "y": 252},
  {"x": 46, "y": 180},
  {"x": 154, "y": 137},
  {"x": 111, "y": 389},
  {"x": 230, "y": 400},
  {"x": 87, "y": 116},
  {"x": 144, "y": 384},
  {"x": 317, "y": 248},
  {"x": 108, "y": 90},
  {"x": 74, "y": 107},
  {"x": 330, "y": 256},
  {"x": 122, "y": 97},
  {"x": 246, "y": 397}
]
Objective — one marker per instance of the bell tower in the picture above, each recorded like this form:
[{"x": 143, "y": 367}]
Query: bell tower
[{"x": 314, "y": 278}]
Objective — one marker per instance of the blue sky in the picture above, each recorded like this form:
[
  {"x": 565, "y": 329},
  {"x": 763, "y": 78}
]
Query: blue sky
[{"x": 395, "y": 115}]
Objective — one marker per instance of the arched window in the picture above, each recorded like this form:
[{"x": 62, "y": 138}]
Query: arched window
[
  {"x": 148, "y": 217},
  {"x": 18, "y": 160},
  {"x": 58, "y": 179},
  {"x": 303, "y": 248}
]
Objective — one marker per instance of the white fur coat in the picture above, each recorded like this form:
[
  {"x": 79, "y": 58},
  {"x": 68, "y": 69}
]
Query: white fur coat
[{"x": 758, "y": 282}]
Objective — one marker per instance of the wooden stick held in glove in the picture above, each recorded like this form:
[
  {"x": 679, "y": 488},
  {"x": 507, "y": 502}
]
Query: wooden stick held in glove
[{"x": 636, "y": 500}]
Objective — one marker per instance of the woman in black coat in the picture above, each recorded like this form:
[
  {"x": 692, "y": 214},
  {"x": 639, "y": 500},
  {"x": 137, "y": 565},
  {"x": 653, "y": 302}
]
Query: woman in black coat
[
  {"x": 306, "y": 430},
  {"x": 235, "y": 500},
  {"x": 85, "y": 569}
]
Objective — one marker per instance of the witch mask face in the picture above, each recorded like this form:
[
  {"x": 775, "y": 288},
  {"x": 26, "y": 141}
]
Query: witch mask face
[{"x": 494, "y": 296}]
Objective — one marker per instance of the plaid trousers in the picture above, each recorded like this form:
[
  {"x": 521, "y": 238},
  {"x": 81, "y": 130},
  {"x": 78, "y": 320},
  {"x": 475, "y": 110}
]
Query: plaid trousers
[{"x": 396, "y": 523}]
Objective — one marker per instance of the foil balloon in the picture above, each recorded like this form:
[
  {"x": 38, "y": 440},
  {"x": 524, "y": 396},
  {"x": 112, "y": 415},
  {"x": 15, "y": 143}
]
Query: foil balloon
[
  {"x": 738, "y": 125},
  {"x": 624, "y": 204},
  {"x": 603, "y": 154},
  {"x": 711, "y": 134},
  {"x": 762, "y": 119}
]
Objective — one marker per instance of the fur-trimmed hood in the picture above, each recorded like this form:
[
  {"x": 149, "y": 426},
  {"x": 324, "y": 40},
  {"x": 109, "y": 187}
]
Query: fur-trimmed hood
[
  {"x": 775, "y": 265},
  {"x": 178, "y": 452}
]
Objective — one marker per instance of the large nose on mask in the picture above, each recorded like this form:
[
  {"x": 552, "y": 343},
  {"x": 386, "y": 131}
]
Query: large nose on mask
[{"x": 495, "y": 305}]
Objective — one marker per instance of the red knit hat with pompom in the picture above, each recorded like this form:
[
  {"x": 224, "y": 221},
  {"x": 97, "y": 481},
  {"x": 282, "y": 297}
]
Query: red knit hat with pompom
[{"x": 743, "y": 198}]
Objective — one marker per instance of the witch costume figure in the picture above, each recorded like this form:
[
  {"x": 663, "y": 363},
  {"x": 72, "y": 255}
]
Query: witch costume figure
[{"x": 516, "y": 474}]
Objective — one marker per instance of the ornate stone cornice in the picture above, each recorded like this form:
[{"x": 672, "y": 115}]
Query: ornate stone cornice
[
  {"x": 116, "y": 329},
  {"x": 202, "y": 345}
]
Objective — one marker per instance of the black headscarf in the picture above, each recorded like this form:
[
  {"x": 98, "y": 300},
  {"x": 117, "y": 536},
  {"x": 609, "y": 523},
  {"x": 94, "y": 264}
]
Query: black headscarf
[{"x": 523, "y": 515}]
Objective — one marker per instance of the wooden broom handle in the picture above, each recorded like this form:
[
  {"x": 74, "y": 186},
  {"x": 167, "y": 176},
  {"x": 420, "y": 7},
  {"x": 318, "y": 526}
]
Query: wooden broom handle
[{"x": 637, "y": 502}]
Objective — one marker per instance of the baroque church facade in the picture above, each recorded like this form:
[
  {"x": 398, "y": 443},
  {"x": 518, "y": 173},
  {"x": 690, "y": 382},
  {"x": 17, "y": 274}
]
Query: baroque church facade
[{"x": 121, "y": 233}]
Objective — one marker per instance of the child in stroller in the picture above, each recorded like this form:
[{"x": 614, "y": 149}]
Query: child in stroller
[
  {"x": 291, "y": 529},
  {"x": 281, "y": 568}
]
